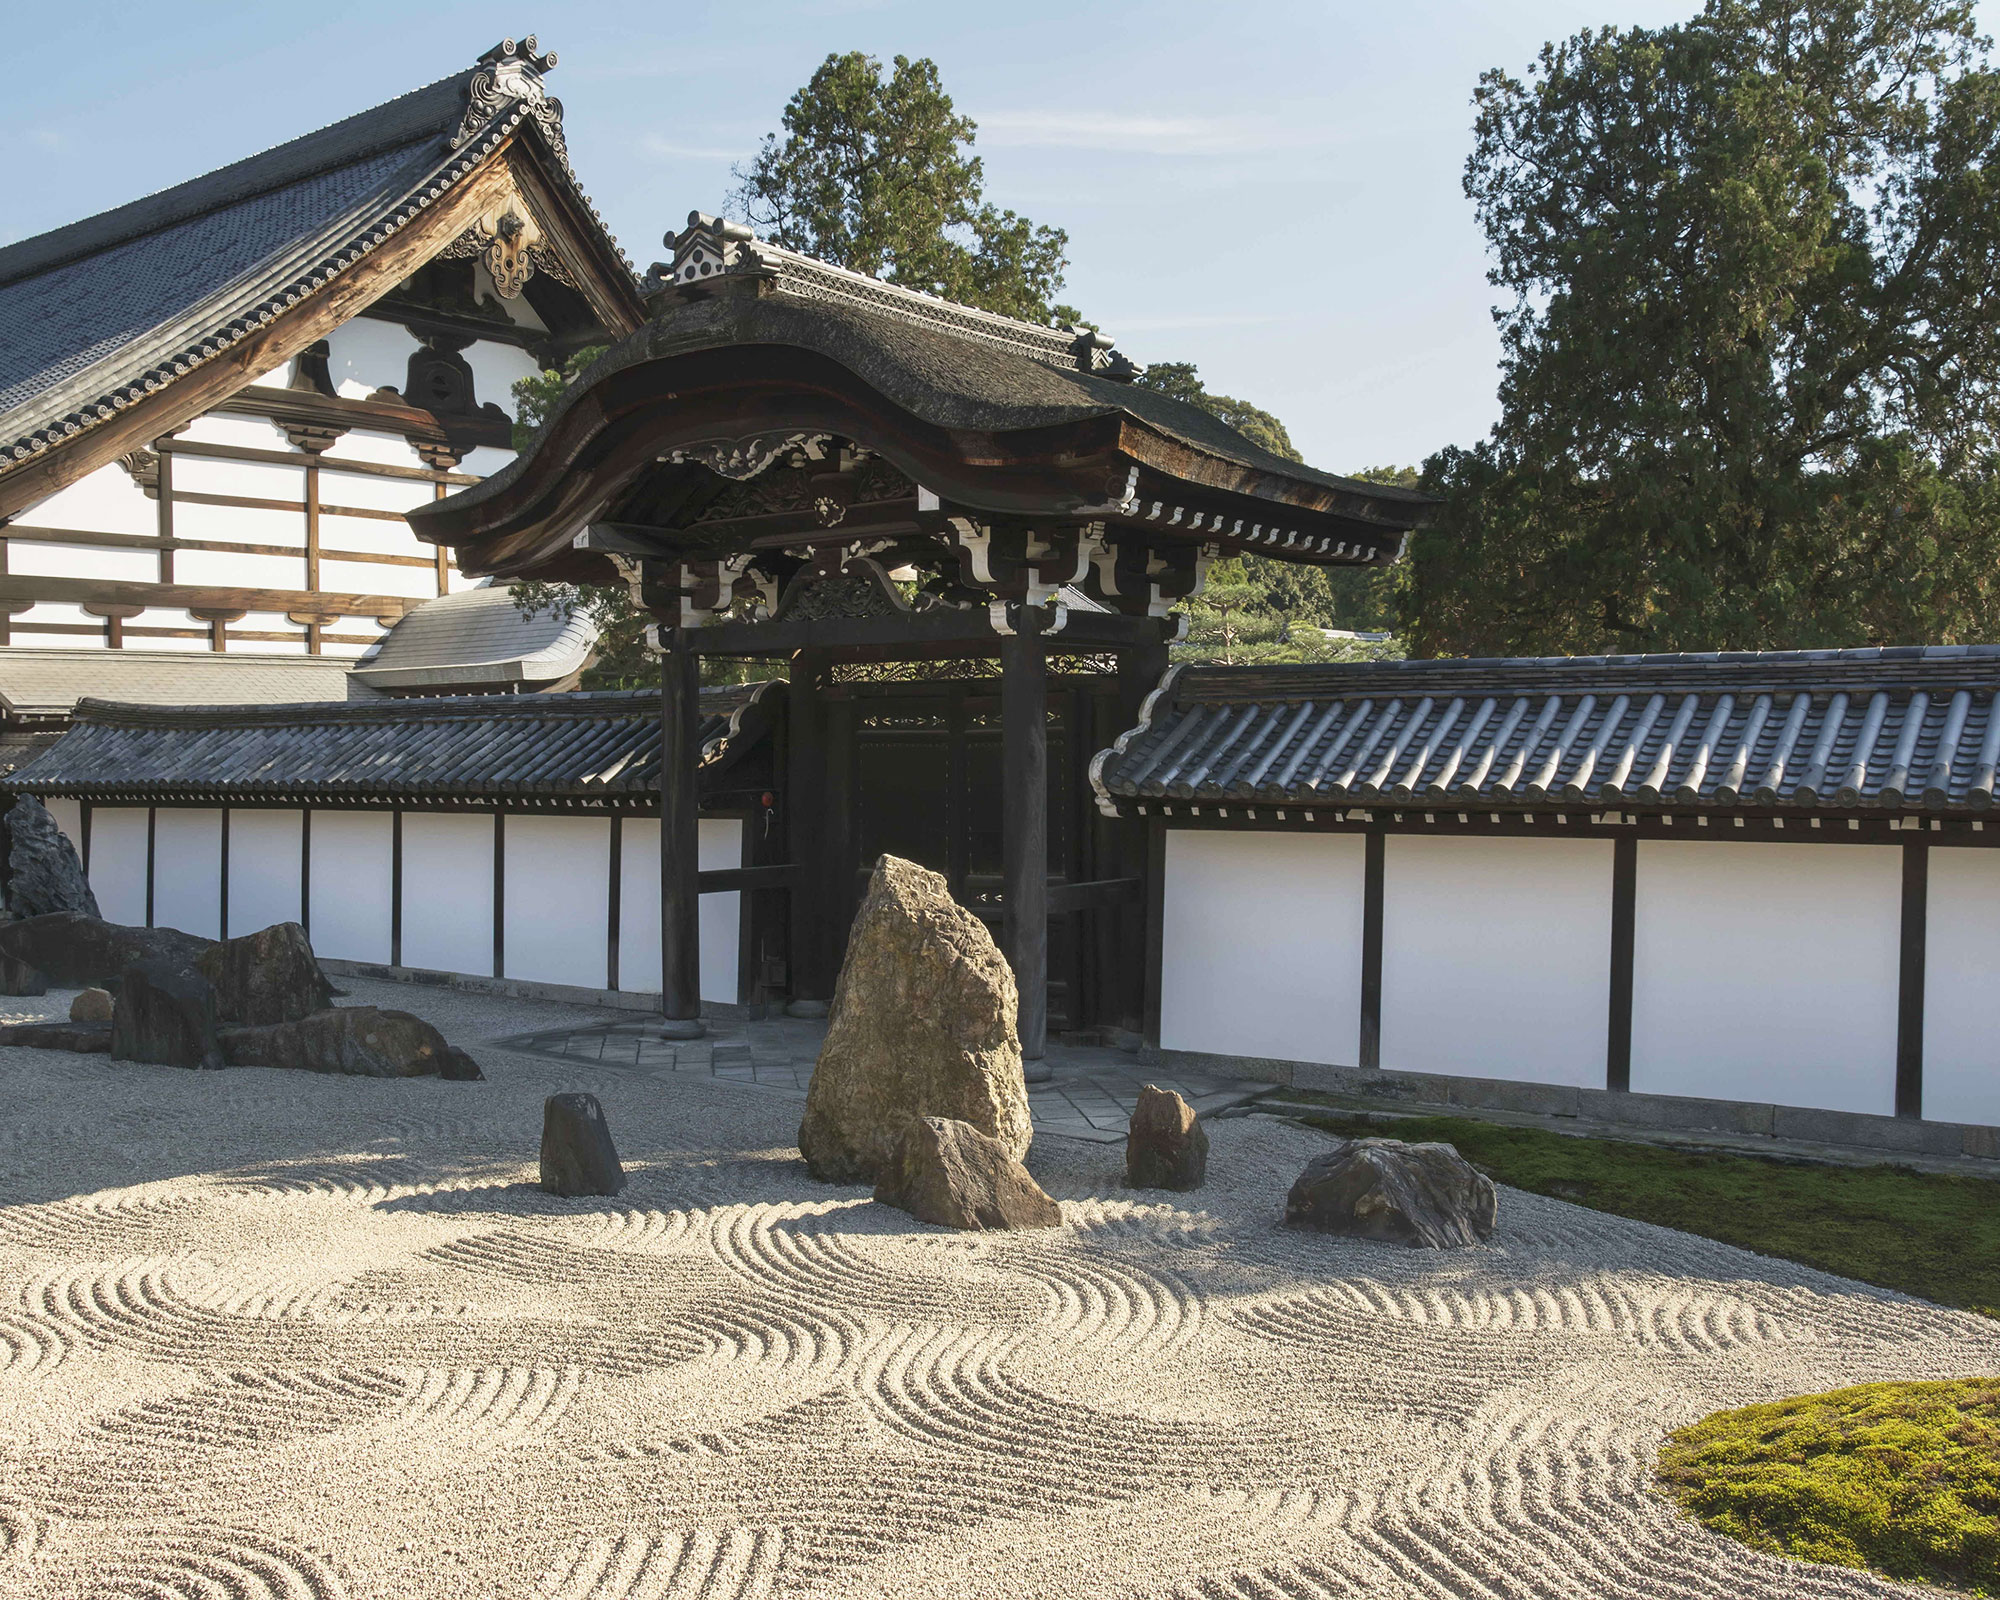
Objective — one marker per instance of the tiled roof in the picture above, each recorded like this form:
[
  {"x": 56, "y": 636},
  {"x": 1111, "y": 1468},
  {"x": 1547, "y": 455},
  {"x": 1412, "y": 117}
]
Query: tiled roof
[
  {"x": 47, "y": 683},
  {"x": 1848, "y": 731},
  {"x": 107, "y": 310},
  {"x": 558, "y": 747},
  {"x": 478, "y": 639}
]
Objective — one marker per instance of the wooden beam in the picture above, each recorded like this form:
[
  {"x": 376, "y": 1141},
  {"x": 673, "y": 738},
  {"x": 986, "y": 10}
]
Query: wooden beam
[
  {"x": 1624, "y": 920},
  {"x": 187, "y": 596},
  {"x": 730, "y": 880},
  {"x": 307, "y": 458},
  {"x": 1024, "y": 800},
  {"x": 1910, "y": 979},
  {"x": 1096, "y": 894},
  {"x": 234, "y": 369},
  {"x": 914, "y": 634},
  {"x": 680, "y": 842}
]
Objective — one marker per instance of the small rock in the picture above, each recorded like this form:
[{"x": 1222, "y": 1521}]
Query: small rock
[
  {"x": 165, "y": 1013},
  {"x": 267, "y": 976},
  {"x": 359, "y": 1041},
  {"x": 86, "y": 1038},
  {"x": 43, "y": 872},
  {"x": 21, "y": 977},
  {"x": 1427, "y": 1196},
  {"x": 952, "y": 1174},
  {"x": 93, "y": 1005},
  {"x": 923, "y": 1025},
  {"x": 455, "y": 1064},
  {"x": 578, "y": 1156},
  {"x": 1166, "y": 1147}
]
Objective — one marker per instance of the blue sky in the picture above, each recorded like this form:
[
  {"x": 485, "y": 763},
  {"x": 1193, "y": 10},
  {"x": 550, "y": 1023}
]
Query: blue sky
[{"x": 1270, "y": 190}]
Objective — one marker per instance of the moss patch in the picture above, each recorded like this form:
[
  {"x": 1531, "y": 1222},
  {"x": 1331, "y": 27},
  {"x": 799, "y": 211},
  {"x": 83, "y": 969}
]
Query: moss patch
[
  {"x": 1903, "y": 1478},
  {"x": 1930, "y": 1234}
]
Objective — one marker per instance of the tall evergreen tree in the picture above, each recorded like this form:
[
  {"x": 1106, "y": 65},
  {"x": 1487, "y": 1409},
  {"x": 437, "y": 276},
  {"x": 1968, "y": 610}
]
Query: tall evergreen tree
[{"x": 1751, "y": 350}]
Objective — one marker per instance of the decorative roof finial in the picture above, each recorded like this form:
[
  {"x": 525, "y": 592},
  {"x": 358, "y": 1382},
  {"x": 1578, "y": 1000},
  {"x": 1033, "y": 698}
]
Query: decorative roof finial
[
  {"x": 508, "y": 73},
  {"x": 708, "y": 248}
]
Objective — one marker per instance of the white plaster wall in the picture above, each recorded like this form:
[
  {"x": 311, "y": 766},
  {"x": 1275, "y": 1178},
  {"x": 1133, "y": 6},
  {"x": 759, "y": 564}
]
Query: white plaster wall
[
  {"x": 719, "y": 845},
  {"x": 1767, "y": 972},
  {"x": 68, "y": 817},
  {"x": 255, "y": 433},
  {"x": 259, "y": 480},
  {"x": 377, "y": 494},
  {"x": 1962, "y": 987},
  {"x": 496, "y": 368},
  {"x": 1261, "y": 950},
  {"x": 118, "y": 862},
  {"x": 29, "y": 558},
  {"x": 371, "y": 534},
  {"x": 365, "y": 444},
  {"x": 487, "y": 459},
  {"x": 104, "y": 501},
  {"x": 264, "y": 881},
  {"x": 293, "y": 644},
  {"x": 231, "y": 570},
  {"x": 351, "y": 878},
  {"x": 558, "y": 903},
  {"x": 361, "y": 629},
  {"x": 367, "y": 354},
  {"x": 448, "y": 892},
  {"x": 187, "y": 870},
  {"x": 167, "y": 619},
  {"x": 1496, "y": 957},
  {"x": 369, "y": 577},
  {"x": 63, "y": 613}
]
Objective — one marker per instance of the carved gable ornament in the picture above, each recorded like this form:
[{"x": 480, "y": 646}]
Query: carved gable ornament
[{"x": 507, "y": 73}]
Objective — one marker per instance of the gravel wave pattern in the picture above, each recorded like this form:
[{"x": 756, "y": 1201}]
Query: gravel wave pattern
[{"x": 276, "y": 1338}]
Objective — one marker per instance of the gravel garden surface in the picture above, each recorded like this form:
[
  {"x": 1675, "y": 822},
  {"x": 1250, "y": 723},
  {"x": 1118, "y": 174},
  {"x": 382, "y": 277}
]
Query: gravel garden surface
[{"x": 267, "y": 1334}]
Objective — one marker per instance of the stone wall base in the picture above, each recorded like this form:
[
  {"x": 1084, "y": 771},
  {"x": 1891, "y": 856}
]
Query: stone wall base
[{"x": 1438, "y": 1092}]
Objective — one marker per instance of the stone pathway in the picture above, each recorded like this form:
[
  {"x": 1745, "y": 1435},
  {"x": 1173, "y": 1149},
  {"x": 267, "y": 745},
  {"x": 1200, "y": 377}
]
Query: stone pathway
[{"x": 1090, "y": 1093}]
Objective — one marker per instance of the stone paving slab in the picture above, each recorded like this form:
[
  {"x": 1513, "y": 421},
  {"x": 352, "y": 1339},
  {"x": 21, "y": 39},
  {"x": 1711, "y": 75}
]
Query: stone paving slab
[{"x": 1090, "y": 1094}]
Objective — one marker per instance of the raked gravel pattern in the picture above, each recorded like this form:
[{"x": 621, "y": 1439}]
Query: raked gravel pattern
[{"x": 268, "y": 1336}]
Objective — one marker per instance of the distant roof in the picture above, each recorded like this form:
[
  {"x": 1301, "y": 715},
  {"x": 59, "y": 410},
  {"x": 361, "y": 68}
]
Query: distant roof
[
  {"x": 1845, "y": 731},
  {"x": 597, "y": 750},
  {"x": 106, "y": 310},
  {"x": 479, "y": 639},
  {"x": 48, "y": 683}
]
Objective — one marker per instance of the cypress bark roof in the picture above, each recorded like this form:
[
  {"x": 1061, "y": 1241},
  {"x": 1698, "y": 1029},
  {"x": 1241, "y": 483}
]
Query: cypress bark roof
[
  {"x": 106, "y": 310},
  {"x": 1840, "y": 731}
]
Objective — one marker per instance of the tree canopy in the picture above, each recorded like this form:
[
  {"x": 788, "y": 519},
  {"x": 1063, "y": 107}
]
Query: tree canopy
[
  {"x": 875, "y": 174},
  {"x": 1751, "y": 356}
]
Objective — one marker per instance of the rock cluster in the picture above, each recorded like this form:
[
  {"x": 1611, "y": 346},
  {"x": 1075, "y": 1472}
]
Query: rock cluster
[
  {"x": 952, "y": 1174},
  {"x": 76, "y": 951},
  {"x": 1166, "y": 1146},
  {"x": 1424, "y": 1195},
  {"x": 43, "y": 872},
  {"x": 923, "y": 1025},
  {"x": 21, "y": 977},
  {"x": 578, "y": 1157},
  {"x": 165, "y": 1013}
]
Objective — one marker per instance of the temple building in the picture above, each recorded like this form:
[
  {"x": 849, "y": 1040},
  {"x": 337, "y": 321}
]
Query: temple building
[
  {"x": 218, "y": 402},
  {"x": 1747, "y": 892}
]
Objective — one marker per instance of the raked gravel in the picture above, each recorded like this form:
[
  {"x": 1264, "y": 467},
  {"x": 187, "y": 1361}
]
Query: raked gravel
[{"x": 273, "y": 1335}]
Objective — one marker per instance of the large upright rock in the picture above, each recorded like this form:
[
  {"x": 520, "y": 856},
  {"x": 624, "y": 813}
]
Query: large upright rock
[
  {"x": 1424, "y": 1195},
  {"x": 165, "y": 1013},
  {"x": 265, "y": 977},
  {"x": 359, "y": 1041},
  {"x": 1166, "y": 1147},
  {"x": 79, "y": 952},
  {"x": 922, "y": 1026},
  {"x": 21, "y": 977},
  {"x": 43, "y": 872},
  {"x": 951, "y": 1174}
]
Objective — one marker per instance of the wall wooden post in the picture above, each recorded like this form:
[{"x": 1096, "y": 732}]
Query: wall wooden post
[
  {"x": 1374, "y": 849},
  {"x": 1910, "y": 979},
  {"x": 680, "y": 841},
  {"x": 1024, "y": 738},
  {"x": 808, "y": 976},
  {"x": 1624, "y": 929}
]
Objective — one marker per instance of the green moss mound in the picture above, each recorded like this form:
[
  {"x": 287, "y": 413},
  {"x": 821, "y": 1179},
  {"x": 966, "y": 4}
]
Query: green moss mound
[{"x": 1903, "y": 1478}]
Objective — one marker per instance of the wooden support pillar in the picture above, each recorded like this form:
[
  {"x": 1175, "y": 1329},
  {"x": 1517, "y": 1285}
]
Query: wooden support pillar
[
  {"x": 680, "y": 894},
  {"x": 808, "y": 975},
  {"x": 1910, "y": 996},
  {"x": 1024, "y": 760}
]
